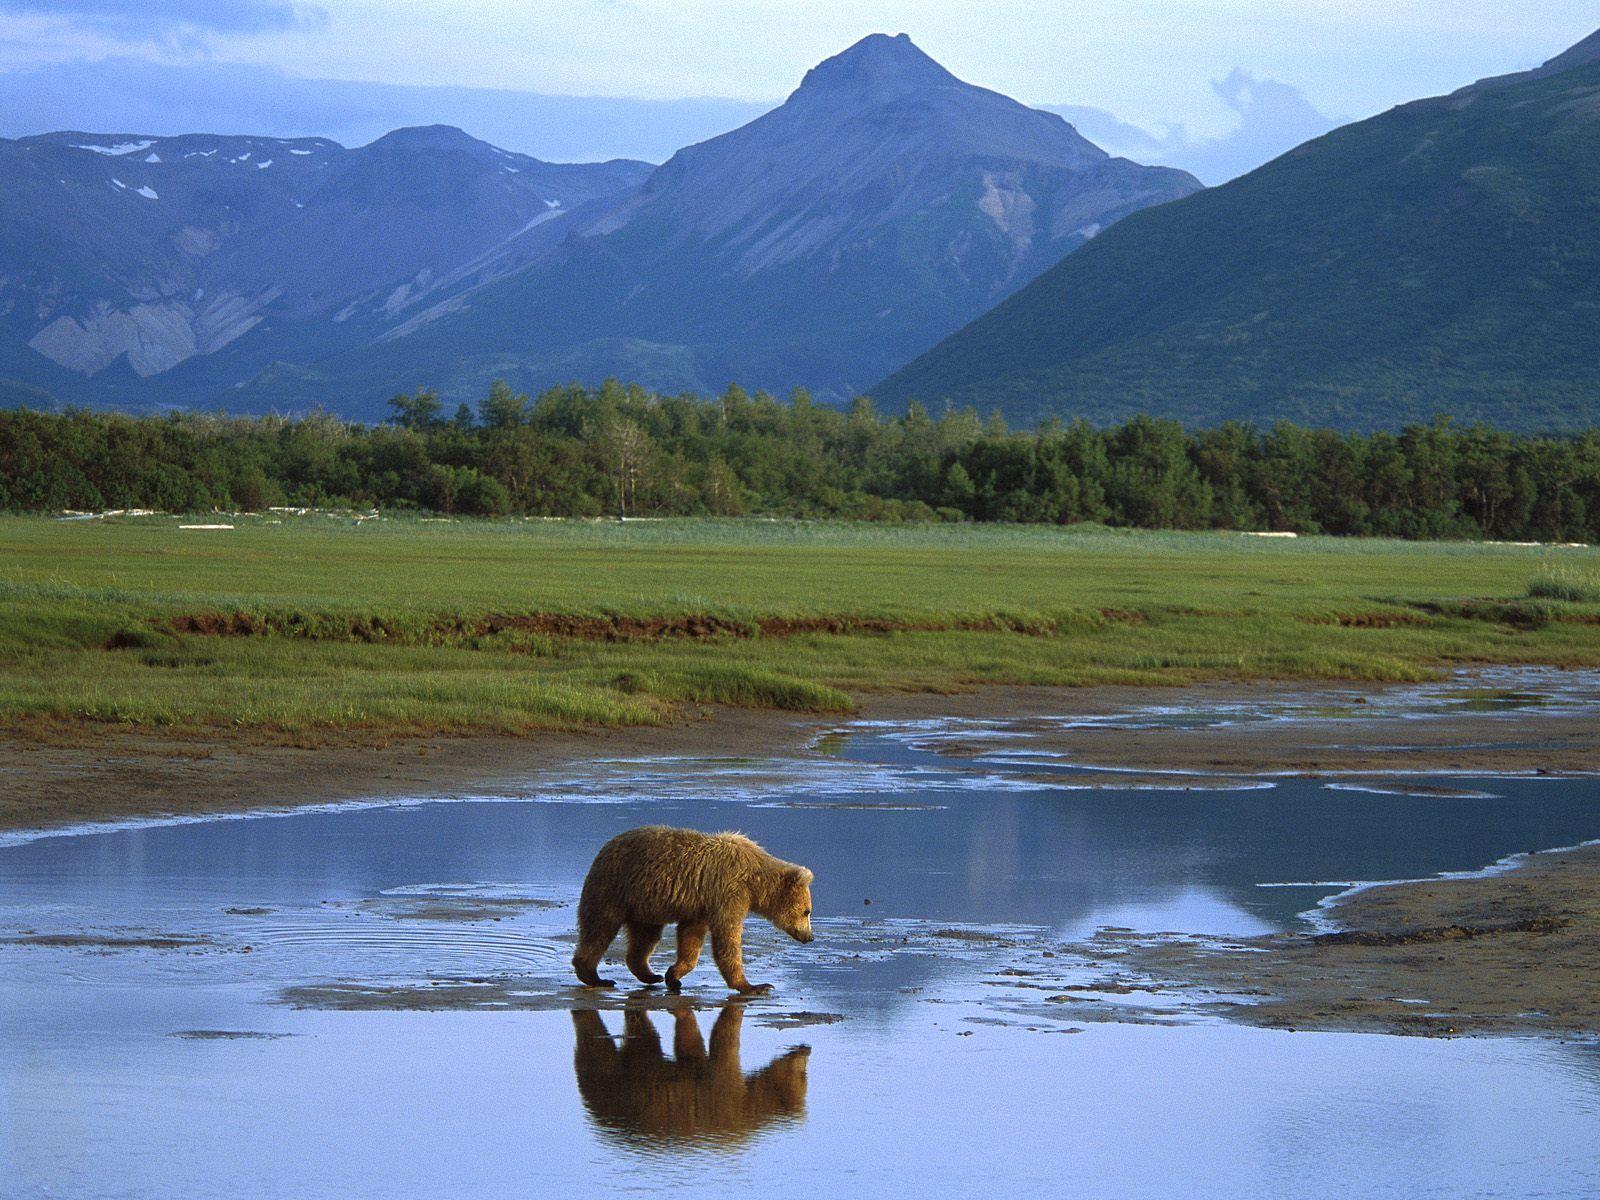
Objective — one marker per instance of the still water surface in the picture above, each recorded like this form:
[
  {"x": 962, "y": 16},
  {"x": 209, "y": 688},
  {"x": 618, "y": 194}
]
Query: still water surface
[{"x": 895, "y": 1059}]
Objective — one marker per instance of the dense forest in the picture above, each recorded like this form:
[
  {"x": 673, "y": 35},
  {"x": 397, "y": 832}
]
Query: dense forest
[{"x": 623, "y": 451}]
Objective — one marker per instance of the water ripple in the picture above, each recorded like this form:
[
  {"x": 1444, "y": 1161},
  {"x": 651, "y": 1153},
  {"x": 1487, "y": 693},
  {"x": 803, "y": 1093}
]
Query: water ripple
[{"x": 472, "y": 946}]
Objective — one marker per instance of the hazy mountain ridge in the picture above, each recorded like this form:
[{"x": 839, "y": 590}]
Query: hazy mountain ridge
[
  {"x": 883, "y": 205},
  {"x": 1441, "y": 257},
  {"x": 123, "y": 256},
  {"x": 208, "y": 95}
]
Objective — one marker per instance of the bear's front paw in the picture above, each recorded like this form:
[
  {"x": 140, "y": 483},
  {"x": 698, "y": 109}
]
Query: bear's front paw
[
  {"x": 674, "y": 985},
  {"x": 755, "y": 989},
  {"x": 601, "y": 983}
]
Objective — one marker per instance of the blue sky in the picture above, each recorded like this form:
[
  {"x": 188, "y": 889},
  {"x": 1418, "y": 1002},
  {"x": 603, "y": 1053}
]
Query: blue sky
[{"x": 1175, "y": 73}]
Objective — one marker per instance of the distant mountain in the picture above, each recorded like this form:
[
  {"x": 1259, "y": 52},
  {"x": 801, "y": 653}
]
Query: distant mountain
[
  {"x": 210, "y": 96},
  {"x": 885, "y": 204},
  {"x": 1441, "y": 258},
  {"x": 1272, "y": 118},
  {"x": 169, "y": 270}
]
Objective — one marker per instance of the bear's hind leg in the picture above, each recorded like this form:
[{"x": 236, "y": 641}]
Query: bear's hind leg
[
  {"x": 642, "y": 941},
  {"x": 691, "y": 936},
  {"x": 594, "y": 939}
]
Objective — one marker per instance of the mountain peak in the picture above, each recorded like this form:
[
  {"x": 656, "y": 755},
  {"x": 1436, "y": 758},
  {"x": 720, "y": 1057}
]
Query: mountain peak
[
  {"x": 430, "y": 137},
  {"x": 878, "y": 66}
]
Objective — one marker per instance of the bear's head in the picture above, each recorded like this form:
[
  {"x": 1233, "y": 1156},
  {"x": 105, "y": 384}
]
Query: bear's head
[{"x": 792, "y": 912}]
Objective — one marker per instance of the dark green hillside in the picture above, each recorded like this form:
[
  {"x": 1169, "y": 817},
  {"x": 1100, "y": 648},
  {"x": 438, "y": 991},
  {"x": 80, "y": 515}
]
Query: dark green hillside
[{"x": 1441, "y": 258}]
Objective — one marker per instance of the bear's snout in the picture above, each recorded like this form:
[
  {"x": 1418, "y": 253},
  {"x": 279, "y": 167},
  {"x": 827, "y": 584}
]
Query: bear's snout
[{"x": 802, "y": 937}]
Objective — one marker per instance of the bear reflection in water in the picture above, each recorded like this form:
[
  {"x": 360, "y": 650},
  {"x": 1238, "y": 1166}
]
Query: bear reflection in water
[{"x": 634, "y": 1091}]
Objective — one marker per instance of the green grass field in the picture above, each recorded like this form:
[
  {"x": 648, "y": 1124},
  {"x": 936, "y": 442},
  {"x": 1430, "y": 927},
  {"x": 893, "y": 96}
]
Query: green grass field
[{"x": 316, "y": 624}]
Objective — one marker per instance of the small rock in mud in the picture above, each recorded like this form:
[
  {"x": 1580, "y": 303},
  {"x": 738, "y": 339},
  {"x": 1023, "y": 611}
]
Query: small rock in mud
[
  {"x": 227, "y": 1035},
  {"x": 972, "y": 935},
  {"x": 798, "y": 1020},
  {"x": 453, "y": 908},
  {"x": 247, "y": 912},
  {"x": 1109, "y": 989}
]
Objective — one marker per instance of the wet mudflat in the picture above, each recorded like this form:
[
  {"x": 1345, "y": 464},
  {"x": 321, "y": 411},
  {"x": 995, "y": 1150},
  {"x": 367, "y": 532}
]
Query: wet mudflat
[{"x": 375, "y": 1002}]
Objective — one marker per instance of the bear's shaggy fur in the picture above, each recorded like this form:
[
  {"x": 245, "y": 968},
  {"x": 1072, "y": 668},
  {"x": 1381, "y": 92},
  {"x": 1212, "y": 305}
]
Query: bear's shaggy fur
[{"x": 649, "y": 878}]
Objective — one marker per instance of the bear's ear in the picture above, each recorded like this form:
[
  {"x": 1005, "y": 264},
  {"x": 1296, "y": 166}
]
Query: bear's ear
[{"x": 802, "y": 876}]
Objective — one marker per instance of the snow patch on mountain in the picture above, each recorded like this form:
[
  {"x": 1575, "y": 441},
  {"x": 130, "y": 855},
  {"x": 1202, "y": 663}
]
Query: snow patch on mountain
[{"x": 123, "y": 148}]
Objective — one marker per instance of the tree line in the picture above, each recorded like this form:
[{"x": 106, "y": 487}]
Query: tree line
[{"x": 625, "y": 451}]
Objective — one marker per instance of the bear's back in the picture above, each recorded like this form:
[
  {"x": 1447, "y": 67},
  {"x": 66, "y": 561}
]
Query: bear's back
[{"x": 661, "y": 874}]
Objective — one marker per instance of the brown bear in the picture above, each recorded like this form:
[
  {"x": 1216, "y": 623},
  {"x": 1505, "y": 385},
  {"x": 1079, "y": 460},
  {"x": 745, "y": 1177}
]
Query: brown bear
[
  {"x": 636, "y": 1094},
  {"x": 649, "y": 878}
]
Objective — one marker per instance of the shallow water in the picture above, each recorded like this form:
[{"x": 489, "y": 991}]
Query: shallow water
[{"x": 897, "y": 1056}]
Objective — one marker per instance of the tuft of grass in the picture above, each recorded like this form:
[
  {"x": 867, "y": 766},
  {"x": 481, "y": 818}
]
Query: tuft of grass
[
  {"x": 1560, "y": 582},
  {"x": 737, "y": 686},
  {"x": 132, "y": 637}
]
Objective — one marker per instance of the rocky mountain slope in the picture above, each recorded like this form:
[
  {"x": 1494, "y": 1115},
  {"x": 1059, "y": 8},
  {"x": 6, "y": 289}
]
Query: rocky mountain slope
[
  {"x": 128, "y": 261},
  {"x": 883, "y": 205}
]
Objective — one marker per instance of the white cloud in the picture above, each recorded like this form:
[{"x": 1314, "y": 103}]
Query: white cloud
[
  {"x": 1269, "y": 118},
  {"x": 158, "y": 20}
]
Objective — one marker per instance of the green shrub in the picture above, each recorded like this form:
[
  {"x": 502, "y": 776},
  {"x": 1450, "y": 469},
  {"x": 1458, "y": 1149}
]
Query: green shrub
[{"x": 132, "y": 637}]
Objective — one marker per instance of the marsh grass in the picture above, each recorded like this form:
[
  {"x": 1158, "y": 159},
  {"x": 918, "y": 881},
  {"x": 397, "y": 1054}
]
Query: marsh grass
[
  {"x": 1567, "y": 583},
  {"x": 408, "y": 627}
]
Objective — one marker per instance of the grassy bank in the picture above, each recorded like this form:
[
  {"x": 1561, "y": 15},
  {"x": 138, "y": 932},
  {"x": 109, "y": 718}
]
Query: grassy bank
[{"x": 315, "y": 623}]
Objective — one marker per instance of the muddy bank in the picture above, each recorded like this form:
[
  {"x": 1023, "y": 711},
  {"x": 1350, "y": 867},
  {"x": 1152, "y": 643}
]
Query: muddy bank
[
  {"x": 1517, "y": 952},
  {"x": 112, "y": 774},
  {"x": 109, "y": 774},
  {"x": 1553, "y": 744},
  {"x": 1316, "y": 729}
]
